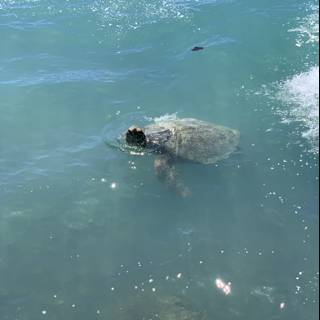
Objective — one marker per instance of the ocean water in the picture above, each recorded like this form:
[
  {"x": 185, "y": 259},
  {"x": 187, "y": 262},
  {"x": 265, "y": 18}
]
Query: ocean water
[{"x": 87, "y": 231}]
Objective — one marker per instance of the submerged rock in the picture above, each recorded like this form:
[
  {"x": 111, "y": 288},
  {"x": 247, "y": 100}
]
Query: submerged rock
[
  {"x": 162, "y": 308},
  {"x": 176, "y": 308}
]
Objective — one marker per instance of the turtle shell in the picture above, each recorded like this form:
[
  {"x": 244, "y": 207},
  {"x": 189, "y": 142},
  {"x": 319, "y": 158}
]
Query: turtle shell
[{"x": 196, "y": 140}]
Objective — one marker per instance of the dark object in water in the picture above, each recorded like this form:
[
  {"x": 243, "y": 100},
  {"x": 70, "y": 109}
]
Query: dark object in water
[{"x": 197, "y": 48}]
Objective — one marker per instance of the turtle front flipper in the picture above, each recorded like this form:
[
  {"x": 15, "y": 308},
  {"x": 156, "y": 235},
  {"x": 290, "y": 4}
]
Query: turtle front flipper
[{"x": 166, "y": 172}]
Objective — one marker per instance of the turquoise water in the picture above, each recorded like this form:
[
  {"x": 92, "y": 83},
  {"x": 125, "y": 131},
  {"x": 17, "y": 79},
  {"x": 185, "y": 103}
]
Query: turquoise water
[{"x": 87, "y": 231}]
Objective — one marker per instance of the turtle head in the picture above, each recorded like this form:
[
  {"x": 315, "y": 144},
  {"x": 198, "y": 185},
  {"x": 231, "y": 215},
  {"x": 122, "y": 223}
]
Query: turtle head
[{"x": 135, "y": 137}]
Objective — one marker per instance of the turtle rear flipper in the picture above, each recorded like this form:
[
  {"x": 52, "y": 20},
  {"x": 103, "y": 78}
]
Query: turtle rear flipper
[{"x": 166, "y": 172}]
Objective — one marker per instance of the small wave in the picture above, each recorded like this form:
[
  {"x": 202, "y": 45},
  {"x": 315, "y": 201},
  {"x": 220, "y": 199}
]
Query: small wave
[
  {"x": 41, "y": 78},
  {"x": 194, "y": 4},
  {"x": 52, "y": 160},
  {"x": 89, "y": 144},
  {"x": 24, "y": 25}
]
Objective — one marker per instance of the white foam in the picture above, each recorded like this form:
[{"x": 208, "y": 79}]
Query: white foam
[
  {"x": 166, "y": 117},
  {"x": 308, "y": 28},
  {"x": 301, "y": 94},
  {"x": 303, "y": 90}
]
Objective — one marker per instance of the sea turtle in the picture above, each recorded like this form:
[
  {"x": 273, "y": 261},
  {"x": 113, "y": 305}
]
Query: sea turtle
[{"x": 183, "y": 139}]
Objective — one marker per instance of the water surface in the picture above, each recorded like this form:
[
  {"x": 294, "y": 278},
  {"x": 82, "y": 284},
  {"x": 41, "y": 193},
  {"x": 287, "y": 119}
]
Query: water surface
[{"x": 87, "y": 231}]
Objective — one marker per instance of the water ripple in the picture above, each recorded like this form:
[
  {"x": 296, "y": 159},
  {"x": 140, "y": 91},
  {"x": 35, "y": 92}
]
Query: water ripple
[
  {"x": 86, "y": 75},
  {"x": 214, "y": 41},
  {"x": 49, "y": 160},
  {"x": 25, "y": 25}
]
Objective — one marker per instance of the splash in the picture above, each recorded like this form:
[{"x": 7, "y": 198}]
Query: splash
[
  {"x": 300, "y": 93},
  {"x": 166, "y": 117},
  {"x": 308, "y": 28}
]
